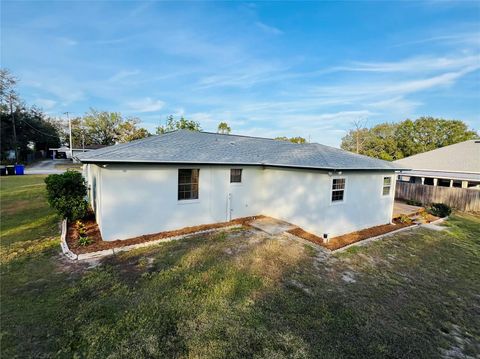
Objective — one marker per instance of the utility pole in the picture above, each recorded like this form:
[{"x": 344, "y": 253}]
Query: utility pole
[
  {"x": 14, "y": 129},
  {"x": 70, "y": 132},
  {"x": 83, "y": 135}
]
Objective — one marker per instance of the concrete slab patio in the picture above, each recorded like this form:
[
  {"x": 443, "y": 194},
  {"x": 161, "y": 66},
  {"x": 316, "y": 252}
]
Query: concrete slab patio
[
  {"x": 271, "y": 226},
  {"x": 401, "y": 208}
]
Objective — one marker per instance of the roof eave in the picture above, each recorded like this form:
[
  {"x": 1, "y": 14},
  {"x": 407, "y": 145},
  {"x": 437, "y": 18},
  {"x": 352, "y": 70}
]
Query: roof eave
[{"x": 326, "y": 168}]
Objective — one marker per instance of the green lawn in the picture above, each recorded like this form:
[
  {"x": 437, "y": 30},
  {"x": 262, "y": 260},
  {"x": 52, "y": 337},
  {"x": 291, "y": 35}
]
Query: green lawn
[{"x": 236, "y": 294}]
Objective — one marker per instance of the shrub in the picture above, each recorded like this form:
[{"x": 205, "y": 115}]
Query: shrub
[
  {"x": 439, "y": 209},
  {"x": 66, "y": 194},
  {"x": 84, "y": 241},
  {"x": 405, "y": 219},
  {"x": 81, "y": 229},
  {"x": 413, "y": 202}
]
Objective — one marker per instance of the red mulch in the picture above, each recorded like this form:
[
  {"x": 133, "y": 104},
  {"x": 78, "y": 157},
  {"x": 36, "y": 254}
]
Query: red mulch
[
  {"x": 349, "y": 238},
  {"x": 99, "y": 244}
]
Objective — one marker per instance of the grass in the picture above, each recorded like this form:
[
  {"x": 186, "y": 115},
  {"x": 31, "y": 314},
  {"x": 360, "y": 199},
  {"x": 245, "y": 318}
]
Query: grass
[{"x": 240, "y": 294}]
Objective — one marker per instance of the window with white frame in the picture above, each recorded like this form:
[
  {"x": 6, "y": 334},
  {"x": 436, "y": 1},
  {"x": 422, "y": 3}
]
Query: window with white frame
[
  {"x": 236, "y": 175},
  {"x": 387, "y": 185},
  {"x": 338, "y": 189},
  {"x": 188, "y": 184}
]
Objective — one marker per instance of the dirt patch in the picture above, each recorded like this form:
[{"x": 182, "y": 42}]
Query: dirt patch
[
  {"x": 349, "y": 238},
  {"x": 98, "y": 244}
]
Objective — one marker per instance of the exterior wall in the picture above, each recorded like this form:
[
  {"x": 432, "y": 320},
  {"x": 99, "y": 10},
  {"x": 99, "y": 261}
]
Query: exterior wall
[
  {"x": 138, "y": 200},
  {"x": 141, "y": 199},
  {"x": 304, "y": 198}
]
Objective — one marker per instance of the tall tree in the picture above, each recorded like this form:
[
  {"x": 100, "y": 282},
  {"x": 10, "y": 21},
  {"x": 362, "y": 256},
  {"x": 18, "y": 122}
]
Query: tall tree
[
  {"x": 391, "y": 141},
  {"x": 181, "y": 124},
  {"x": 106, "y": 128},
  {"x": 297, "y": 139},
  {"x": 23, "y": 129},
  {"x": 224, "y": 128},
  {"x": 129, "y": 131}
]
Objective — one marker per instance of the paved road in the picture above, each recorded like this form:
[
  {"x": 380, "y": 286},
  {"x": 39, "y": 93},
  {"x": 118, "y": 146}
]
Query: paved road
[{"x": 46, "y": 167}]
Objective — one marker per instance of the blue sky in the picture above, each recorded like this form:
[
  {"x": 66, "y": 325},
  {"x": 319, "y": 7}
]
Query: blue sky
[{"x": 267, "y": 68}]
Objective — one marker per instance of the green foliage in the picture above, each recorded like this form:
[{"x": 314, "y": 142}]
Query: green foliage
[
  {"x": 413, "y": 202},
  {"x": 34, "y": 130},
  {"x": 181, "y": 124},
  {"x": 297, "y": 139},
  {"x": 84, "y": 241},
  {"x": 392, "y": 141},
  {"x": 405, "y": 219},
  {"x": 240, "y": 298},
  {"x": 439, "y": 209},
  {"x": 224, "y": 128},
  {"x": 106, "y": 128},
  {"x": 66, "y": 194},
  {"x": 81, "y": 229}
]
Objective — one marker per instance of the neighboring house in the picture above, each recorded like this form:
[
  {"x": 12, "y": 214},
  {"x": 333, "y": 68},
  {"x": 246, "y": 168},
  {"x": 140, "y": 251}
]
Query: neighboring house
[
  {"x": 64, "y": 151},
  {"x": 186, "y": 178},
  {"x": 456, "y": 165}
]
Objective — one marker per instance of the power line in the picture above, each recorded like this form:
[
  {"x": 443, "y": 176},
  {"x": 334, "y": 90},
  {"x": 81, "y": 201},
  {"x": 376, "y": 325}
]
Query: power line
[{"x": 43, "y": 133}]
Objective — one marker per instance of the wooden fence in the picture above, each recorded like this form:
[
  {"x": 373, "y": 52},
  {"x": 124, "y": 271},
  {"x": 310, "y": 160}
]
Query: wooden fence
[{"x": 464, "y": 199}]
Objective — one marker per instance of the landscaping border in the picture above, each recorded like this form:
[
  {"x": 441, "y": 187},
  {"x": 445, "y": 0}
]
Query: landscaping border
[
  {"x": 372, "y": 239},
  {"x": 63, "y": 242},
  {"x": 111, "y": 251}
]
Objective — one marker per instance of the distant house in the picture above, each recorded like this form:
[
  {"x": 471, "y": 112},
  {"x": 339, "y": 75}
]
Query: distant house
[
  {"x": 64, "y": 151},
  {"x": 186, "y": 178},
  {"x": 456, "y": 165}
]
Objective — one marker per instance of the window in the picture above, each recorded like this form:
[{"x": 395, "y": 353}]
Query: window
[
  {"x": 188, "y": 184},
  {"x": 338, "y": 189},
  {"x": 387, "y": 184},
  {"x": 236, "y": 175}
]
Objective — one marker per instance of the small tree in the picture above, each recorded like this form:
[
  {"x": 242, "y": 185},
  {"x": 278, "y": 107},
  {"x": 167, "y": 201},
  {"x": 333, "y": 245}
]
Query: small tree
[
  {"x": 297, "y": 139},
  {"x": 66, "y": 194},
  {"x": 181, "y": 124},
  {"x": 224, "y": 128}
]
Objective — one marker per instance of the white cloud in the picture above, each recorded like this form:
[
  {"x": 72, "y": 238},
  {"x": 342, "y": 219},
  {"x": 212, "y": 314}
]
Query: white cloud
[
  {"x": 268, "y": 29},
  {"x": 44, "y": 103},
  {"x": 122, "y": 74},
  {"x": 146, "y": 105}
]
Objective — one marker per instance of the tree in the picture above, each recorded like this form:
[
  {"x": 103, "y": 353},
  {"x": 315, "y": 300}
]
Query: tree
[
  {"x": 224, "y": 128},
  {"x": 102, "y": 126},
  {"x": 23, "y": 129},
  {"x": 297, "y": 139},
  {"x": 181, "y": 124},
  {"x": 128, "y": 131},
  {"x": 392, "y": 141},
  {"x": 106, "y": 128}
]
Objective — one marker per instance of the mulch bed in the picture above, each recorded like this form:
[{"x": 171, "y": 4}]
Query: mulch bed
[
  {"x": 349, "y": 238},
  {"x": 99, "y": 244}
]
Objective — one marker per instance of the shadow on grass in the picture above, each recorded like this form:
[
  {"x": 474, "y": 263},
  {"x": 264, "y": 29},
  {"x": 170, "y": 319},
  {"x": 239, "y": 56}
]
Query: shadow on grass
[{"x": 241, "y": 294}]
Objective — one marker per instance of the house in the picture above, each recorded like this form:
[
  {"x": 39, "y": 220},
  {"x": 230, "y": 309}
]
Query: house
[
  {"x": 457, "y": 165},
  {"x": 186, "y": 178},
  {"x": 64, "y": 151}
]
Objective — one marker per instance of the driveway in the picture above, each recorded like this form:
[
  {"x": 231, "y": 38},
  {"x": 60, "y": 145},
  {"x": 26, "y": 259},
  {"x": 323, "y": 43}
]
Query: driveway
[{"x": 46, "y": 167}]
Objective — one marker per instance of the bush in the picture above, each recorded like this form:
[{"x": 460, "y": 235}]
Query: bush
[
  {"x": 405, "y": 219},
  {"x": 439, "y": 209},
  {"x": 66, "y": 194},
  {"x": 413, "y": 202}
]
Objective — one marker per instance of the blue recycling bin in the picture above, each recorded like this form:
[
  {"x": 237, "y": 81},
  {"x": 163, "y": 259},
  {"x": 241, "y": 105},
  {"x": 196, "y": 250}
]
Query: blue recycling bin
[{"x": 19, "y": 169}]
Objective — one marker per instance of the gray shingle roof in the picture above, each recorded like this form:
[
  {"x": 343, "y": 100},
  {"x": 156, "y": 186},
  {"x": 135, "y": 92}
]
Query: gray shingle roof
[
  {"x": 184, "y": 146},
  {"x": 460, "y": 157}
]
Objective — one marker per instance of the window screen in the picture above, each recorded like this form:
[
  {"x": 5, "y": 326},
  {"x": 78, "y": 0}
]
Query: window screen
[
  {"x": 188, "y": 183},
  {"x": 387, "y": 184},
  {"x": 338, "y": 189},
  {"x": 235, "y": 175}
]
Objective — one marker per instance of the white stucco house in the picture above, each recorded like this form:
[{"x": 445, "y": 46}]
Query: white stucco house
[{"x": 186, "y": 178}]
